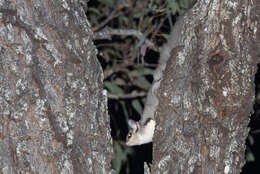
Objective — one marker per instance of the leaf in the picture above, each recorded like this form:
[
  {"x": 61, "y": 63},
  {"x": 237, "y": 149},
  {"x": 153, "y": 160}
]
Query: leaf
[
  {"x": 113, "y": 87},
  {"x": 173, "y": 6},
  {"x": 249, "y": 155},
  {"x": 251, "y": 139},
  {"x": 142, "y": 72},
  {"x": 94, "y": 10},
  {"x": 120, "y": 81},
  {"x": 137, "y": 106},
  {"x": 124, "y": 109},
  {"x": 145, "y": 71},
  {"x": 143, "y": 81},
  {"x": 186, "y": 4},
  {"x": 121, "y": 157}
]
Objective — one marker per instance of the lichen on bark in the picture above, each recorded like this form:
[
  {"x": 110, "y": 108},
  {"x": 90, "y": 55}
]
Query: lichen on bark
[
  {"x": 52, "y": 106},
  {"x": 207, "y": 92}
]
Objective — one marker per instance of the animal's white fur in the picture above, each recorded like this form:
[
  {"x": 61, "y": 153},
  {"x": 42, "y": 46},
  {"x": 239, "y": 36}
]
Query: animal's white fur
[{"x": 143, "y": 135}]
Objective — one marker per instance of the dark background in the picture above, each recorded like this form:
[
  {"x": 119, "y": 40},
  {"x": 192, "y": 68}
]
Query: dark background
[{"x": 253, "y": 140}]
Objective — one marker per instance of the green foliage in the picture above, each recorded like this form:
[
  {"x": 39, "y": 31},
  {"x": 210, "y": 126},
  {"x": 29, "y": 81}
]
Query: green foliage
[
  {"x": 143, "y": 71},
  {"x": 123, "y": 104},
  {"x": 173, "y": 6},
  {"x": 143, "y": 81},
  {"x": 121, "y": 156},
  {"x": 137, "y": 106},
  {"x": 94, "y": 11},
  {"x": 113, "y": 87},
  {"x": 250, "y": 157}
]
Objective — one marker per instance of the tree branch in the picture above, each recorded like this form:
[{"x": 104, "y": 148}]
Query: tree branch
[
  {"x": 127, "y": 96},
  {"x": 107, "y": 32}
]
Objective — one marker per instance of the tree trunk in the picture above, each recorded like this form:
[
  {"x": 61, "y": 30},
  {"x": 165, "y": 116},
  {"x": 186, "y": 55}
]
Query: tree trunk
[
  {"x": 207, "y": 92},
  {"x": 53, "y": 112}
]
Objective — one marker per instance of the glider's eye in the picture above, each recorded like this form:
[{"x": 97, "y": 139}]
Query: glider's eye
[{"x": 129, "y": 135}]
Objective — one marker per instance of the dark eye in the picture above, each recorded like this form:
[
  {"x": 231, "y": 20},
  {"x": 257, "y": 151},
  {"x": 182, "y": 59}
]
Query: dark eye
[{"x": 129, "y": 135}]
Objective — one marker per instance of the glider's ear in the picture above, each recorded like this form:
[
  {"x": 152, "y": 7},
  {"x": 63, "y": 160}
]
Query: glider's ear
[{"x": 132, "y": 124}]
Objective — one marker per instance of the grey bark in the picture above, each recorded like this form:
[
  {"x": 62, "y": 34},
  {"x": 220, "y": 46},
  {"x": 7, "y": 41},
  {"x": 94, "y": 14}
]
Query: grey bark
[
  {"x": 207, "y": 91},
  {"x": 53, "y": 111}
]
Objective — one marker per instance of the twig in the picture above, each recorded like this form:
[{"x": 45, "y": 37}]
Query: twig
[
  {"x": 255, "y": 131},
  {"x": 107, "y": 33},
  {"x": 110, "y": 71},
  {"x": 127, "y": 96},
  {"x": 109, "y": 18},
  {"x": 127, "y": 72}
]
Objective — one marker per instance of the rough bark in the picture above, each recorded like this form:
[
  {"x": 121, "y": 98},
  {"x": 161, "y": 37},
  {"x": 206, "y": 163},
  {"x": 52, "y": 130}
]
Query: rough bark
[
  {"x": 53, "y": 112},
  {"x": 207, "y": 92}
]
